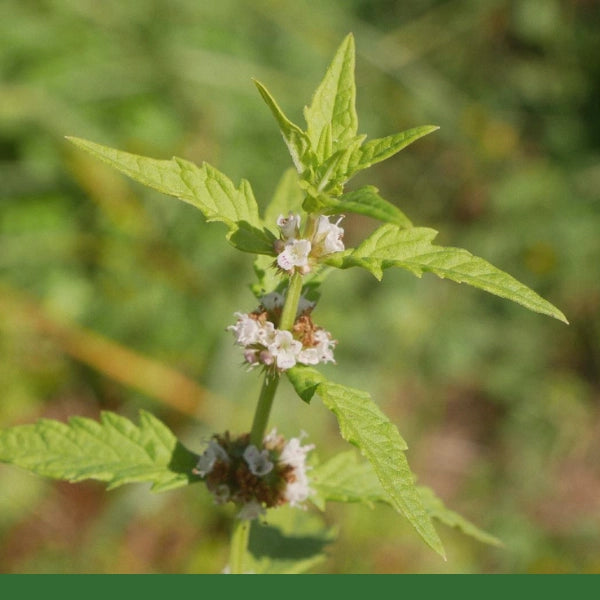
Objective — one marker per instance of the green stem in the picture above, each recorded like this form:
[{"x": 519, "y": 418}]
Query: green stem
[
  {"x": 263, "y": 409},
  {"x": 288, "y": 315},
  {"x": 239, "y": 543},
  {"x": 241, "y": 528}
]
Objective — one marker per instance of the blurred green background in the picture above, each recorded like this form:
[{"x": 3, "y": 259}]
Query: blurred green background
[{"x": 115, "y": 297}]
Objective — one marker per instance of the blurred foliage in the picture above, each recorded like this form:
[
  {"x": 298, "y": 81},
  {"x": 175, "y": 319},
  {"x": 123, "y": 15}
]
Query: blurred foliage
[{"x": 115, "y": 297}]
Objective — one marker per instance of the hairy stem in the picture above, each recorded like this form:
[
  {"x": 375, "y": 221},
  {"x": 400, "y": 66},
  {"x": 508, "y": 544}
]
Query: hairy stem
[{"x": 239, "y": 543}]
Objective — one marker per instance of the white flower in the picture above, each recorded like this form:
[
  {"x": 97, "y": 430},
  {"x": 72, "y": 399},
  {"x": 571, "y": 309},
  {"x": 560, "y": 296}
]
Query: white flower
[
  {"x": 328, "y": 236},
  {"x": 266, "y": 333},
  {"x": 321, "y": 352},
  {"x": 251, "y": 510},
  {"x": 294, "y": 254},
  {"x": 209, "y": 457},
  {"x": 246, "y": 330},
  {"x": 294, "y": 454},
  {"x": 285, "y": 349},
  {"x": 258, "y": 462},
  {"x": 324, "y": 346},
  {"x": 289, "y": 226}
]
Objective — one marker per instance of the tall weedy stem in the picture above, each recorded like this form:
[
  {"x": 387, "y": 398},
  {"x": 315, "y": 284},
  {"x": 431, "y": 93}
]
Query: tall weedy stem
[{"x": 241, "y": 528}]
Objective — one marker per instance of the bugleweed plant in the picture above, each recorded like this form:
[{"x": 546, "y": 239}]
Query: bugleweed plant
[{"x": 297, "y": 243}]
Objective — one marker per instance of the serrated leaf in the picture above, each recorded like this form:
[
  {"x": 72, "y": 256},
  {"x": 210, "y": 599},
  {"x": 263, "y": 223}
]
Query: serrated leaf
[
  {"x": 333, "y": 104},
  {"x": 204, "y": 187},
  {"x": 344, "y": 479},
  {"x": 113, "y": 450},
  {"x": 295, "y": 139},
  {"x": 365, "y": 426},
  {"x": 411, "y": 249},
  {"x": 366, "y": 201},
  {"x": 375, "y": 151}
]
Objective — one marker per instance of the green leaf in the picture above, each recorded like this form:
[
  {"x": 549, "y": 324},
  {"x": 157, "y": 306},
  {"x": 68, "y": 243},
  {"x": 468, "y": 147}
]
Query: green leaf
[
  {"x": 365, "y": 426},
  {"x": 333, "y": 104},
  {"x": 113, "y": 450},
  {"x": 295, "y": 139},
  {"x": 411, "y": 249},
  {"x": 290, "y": 541},
  {"x": 344, "y": 479},
  {"x": 305, "y": 380},
  {"x": 204, "y": 187},
  {"x": 375, "y": 151},
  {"x": 366, "y": 201}
]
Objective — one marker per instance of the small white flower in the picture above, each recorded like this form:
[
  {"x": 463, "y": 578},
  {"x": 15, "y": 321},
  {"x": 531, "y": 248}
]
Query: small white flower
[
  {"x": 209, "y": 457},
  {"x": 258, "y": 462},
  {"x": 295, "y": 254},
  {"x": 309, "y": 356},
  {"x": 294, "y": 454},
  {"x": 246, "y": 330},
  {"x": 289, "y": 226},
  {"x": 251, "y": 510},
  {"x": 285, "y": 349},
  {"x": 328, "y": 236},
  {"x": 265, "y": 333},
  {"x": 324, "y": 346}
]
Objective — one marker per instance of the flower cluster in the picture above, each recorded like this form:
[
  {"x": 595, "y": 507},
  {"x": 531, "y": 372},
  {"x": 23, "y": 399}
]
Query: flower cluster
[
  {"x": 296, "y": 253},
  {"x": 255, "y": 479},
  {"x": 264, "y": 344}
]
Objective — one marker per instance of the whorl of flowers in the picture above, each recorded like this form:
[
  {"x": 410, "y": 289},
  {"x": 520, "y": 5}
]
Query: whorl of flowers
[
  {"x": 266, "y": 345},
  {"x": 297, "y": 253},
  {"x": 255, "y": 479}
]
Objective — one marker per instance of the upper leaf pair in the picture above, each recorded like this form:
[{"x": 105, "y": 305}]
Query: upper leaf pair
[{"x": 331, "y": 151}]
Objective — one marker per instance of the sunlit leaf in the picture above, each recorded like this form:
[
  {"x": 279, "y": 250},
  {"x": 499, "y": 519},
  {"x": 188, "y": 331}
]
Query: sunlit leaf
[
  {"x": 295, "y": 139},
  {"x": 365, "y": 426},
  {"x": 366, "y": 201},
  {"x": 343, "y": 478},
  {"x": 204, "y": 187},
  {"x": 411, "y": 249},
  {"x": 333, "y": 104},
  {"x": 113, "y": 450},
  {"x": 375, "y": 151}
]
